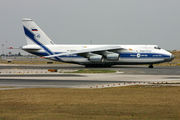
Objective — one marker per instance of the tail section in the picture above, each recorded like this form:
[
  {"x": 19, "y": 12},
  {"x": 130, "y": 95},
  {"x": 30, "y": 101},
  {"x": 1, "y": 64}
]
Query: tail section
[{"x": 34, "y": 35}]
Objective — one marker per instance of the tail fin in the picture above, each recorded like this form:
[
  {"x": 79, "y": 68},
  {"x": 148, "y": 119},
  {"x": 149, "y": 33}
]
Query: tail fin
[{"x": 34, "y": 35}]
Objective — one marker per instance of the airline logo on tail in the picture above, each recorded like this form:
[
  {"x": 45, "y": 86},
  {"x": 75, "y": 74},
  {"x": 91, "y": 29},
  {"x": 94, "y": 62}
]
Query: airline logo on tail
[{"x": 37, "y": 36}]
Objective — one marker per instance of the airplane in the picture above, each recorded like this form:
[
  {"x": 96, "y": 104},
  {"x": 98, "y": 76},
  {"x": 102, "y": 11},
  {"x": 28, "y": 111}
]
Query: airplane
[{"x": 38, "y": 43}]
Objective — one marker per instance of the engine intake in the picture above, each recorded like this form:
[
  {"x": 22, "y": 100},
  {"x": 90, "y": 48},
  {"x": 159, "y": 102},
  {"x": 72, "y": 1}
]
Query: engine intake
[
  {"x": 113, "y": 57},
  {"x": 96, "y": 58}
]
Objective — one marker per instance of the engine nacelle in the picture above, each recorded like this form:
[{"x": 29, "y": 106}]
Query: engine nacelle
[
  {"x": 113, "y": 57},
  {"x": 96, "y": 58}
]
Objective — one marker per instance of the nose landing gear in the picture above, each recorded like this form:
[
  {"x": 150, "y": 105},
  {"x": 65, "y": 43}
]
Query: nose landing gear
[{"x": 150, "y": 66}]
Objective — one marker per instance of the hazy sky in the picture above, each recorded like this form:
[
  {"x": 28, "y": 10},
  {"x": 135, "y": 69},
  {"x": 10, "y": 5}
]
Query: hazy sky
[{"x": 99, "y": 21}]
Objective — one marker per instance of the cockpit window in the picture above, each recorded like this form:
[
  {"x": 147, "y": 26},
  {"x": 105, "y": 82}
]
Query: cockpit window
[{"x": 157, "y": 48}]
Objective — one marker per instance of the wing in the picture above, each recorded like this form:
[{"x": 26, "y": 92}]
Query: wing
[{"x": 89, "y": 52}]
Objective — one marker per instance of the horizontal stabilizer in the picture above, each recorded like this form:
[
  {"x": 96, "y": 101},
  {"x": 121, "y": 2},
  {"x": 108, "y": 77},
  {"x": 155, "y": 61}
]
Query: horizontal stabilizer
[{"x": 29, "y": 47}]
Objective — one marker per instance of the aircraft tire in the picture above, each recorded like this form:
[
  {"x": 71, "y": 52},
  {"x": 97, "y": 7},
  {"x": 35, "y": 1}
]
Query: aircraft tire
[
  {"x": 96, "y": 65},
  {"x": 108, "y": 65},
  {"x": 150, "y": 66},
  {"x": 87, "y": 66}
]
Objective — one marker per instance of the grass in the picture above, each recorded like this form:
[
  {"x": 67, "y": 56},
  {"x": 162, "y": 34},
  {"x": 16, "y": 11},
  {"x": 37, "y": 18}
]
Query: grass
[
  {"x": 132, "y": 102},
  {"x": 94, "y": 71}
]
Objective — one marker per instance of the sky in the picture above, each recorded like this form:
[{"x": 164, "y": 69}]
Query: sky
[{"x": 155, "y": 22}]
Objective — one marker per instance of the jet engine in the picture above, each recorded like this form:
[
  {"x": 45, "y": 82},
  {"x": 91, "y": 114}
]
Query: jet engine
[
  {"x": 96, "y": 58},
  {"x": 113, "y": 56}
]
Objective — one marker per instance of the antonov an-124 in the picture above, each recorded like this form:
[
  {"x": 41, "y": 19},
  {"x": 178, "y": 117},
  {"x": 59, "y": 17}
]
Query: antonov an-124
[{"x": 38, "y": 43}]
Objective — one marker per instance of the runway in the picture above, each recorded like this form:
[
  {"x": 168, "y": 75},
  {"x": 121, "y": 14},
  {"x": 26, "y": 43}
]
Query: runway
[
  {"x": 127, "y": 69},
  {"x": 127, "y": 75}
]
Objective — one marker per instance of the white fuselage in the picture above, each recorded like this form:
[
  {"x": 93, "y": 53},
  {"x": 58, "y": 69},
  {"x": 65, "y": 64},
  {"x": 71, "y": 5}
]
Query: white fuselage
[{"x": 131, "y": 54}]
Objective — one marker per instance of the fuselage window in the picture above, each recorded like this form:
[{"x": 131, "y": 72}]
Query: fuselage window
[{"x": 157, "y": 48}]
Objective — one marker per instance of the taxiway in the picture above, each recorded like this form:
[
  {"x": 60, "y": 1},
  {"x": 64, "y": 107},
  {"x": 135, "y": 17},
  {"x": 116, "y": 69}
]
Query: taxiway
[
  {"x": 127, "y": 69},
  {"x": 127, "y": 74}
]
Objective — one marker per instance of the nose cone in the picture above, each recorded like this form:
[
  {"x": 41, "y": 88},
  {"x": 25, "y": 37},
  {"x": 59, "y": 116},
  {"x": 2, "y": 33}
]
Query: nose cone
[
  {"x": 169, "y": 59},
  {"x": 172, "y": 57}
]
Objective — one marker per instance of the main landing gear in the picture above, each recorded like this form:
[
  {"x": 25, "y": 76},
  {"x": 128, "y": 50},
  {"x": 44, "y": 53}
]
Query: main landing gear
[
  {"x": 150, "y": 66},
  {"x": 96, "y": 65}
]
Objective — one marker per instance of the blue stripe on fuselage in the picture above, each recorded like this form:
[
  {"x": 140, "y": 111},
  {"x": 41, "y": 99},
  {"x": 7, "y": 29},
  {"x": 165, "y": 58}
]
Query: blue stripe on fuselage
[
  {"x": 143, "y": 55},
  {"x": 122, "y": 55},
  {"x": 46, "y": 54}
]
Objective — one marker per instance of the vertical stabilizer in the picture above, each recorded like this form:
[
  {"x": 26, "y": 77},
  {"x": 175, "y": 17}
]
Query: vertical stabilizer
[{"x": 33, "y": 34}]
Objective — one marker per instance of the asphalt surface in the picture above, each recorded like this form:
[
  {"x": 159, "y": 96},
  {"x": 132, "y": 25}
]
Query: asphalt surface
[
  {"x": 127, "y": 74},
  {"x": 28, "y": 83},
  {"x": 127, "y": 69}
]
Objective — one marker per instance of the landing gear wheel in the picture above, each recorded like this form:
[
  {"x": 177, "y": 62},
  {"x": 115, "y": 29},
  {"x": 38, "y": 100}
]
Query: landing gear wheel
[
  {"x": 96, "y": 65},
  {"x": 87, "y": 66},
  {"x": 150, "y": 66},
  {"x": 108, "y": 65}
]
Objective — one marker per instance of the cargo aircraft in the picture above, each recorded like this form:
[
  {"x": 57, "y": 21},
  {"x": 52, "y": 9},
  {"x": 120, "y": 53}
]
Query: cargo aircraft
[{"x": 38, "y": 43}]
